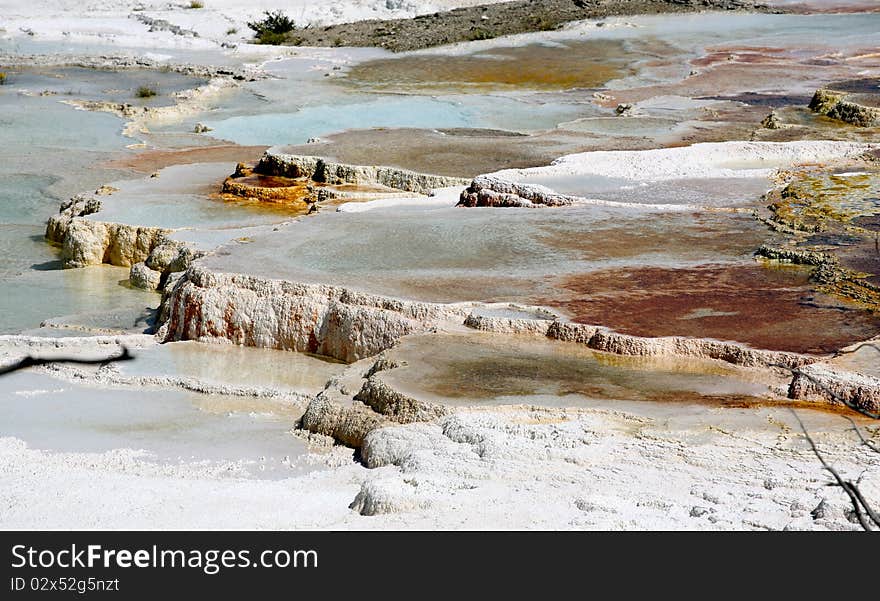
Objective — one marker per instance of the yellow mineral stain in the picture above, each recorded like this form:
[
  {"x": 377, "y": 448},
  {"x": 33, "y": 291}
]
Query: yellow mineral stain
[{"x": 584, "y": 64}]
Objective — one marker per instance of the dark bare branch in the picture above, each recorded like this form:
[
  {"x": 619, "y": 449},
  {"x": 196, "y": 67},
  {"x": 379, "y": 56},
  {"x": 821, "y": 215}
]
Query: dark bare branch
[
  {"x": 124, "y": 355},
  {"x": 871, "y": 513},
  {"x": 863, "y": 511},
  {"x": 868, "y": 443}
]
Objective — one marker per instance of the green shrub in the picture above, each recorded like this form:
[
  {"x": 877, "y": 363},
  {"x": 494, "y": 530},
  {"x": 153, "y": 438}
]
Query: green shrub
[
  {"x": 274, "y": 39},
  {"x": 2, "y": 78},
  {"x": 231, "y": 31},
  {"x": 273, "y": 27},
  {"x": 146, "y": 92},
  {"x": 196, "y": 4}
]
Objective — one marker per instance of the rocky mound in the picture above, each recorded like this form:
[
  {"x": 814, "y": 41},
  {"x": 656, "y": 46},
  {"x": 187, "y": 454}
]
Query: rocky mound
[
  {"x": 322, "y": 171},
  {"x": 855, "y": 109},
  {"x": 495, "y": 20}
]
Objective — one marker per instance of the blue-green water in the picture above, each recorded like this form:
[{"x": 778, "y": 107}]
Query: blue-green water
[
  {"x": 22, "y": 198},
  {"x": 308, "y": 122},
  {"x": 48, "y": 152},
  {"x": 309, "y": 99}
]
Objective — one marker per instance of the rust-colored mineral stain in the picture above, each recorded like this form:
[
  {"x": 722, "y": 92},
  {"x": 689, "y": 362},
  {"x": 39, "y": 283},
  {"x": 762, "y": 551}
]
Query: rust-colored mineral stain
[
  {"x": 767, "y": 308},
  {"x": 584, "y": 64},
  {"x": 287, "y": 209},
  {"x": 270, "y": 189}
]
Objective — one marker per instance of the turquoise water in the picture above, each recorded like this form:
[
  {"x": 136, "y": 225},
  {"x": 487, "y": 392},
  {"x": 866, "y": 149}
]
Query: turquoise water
[
  {"x": 297, "y": 127},
  {"x": 22, "y": 196},
  {"x": 21, "y": 244},
  {"x": 95, "y": 297},
  {"x": 306, "y": 100},
  {"x": 23, "y": 249}
]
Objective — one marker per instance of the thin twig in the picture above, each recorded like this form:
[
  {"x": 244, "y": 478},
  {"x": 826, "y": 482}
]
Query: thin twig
[
  {"x": 871, "y": 513},
  {"x": 868, "y": 443},
  {"x": 852, "y": 491}
]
